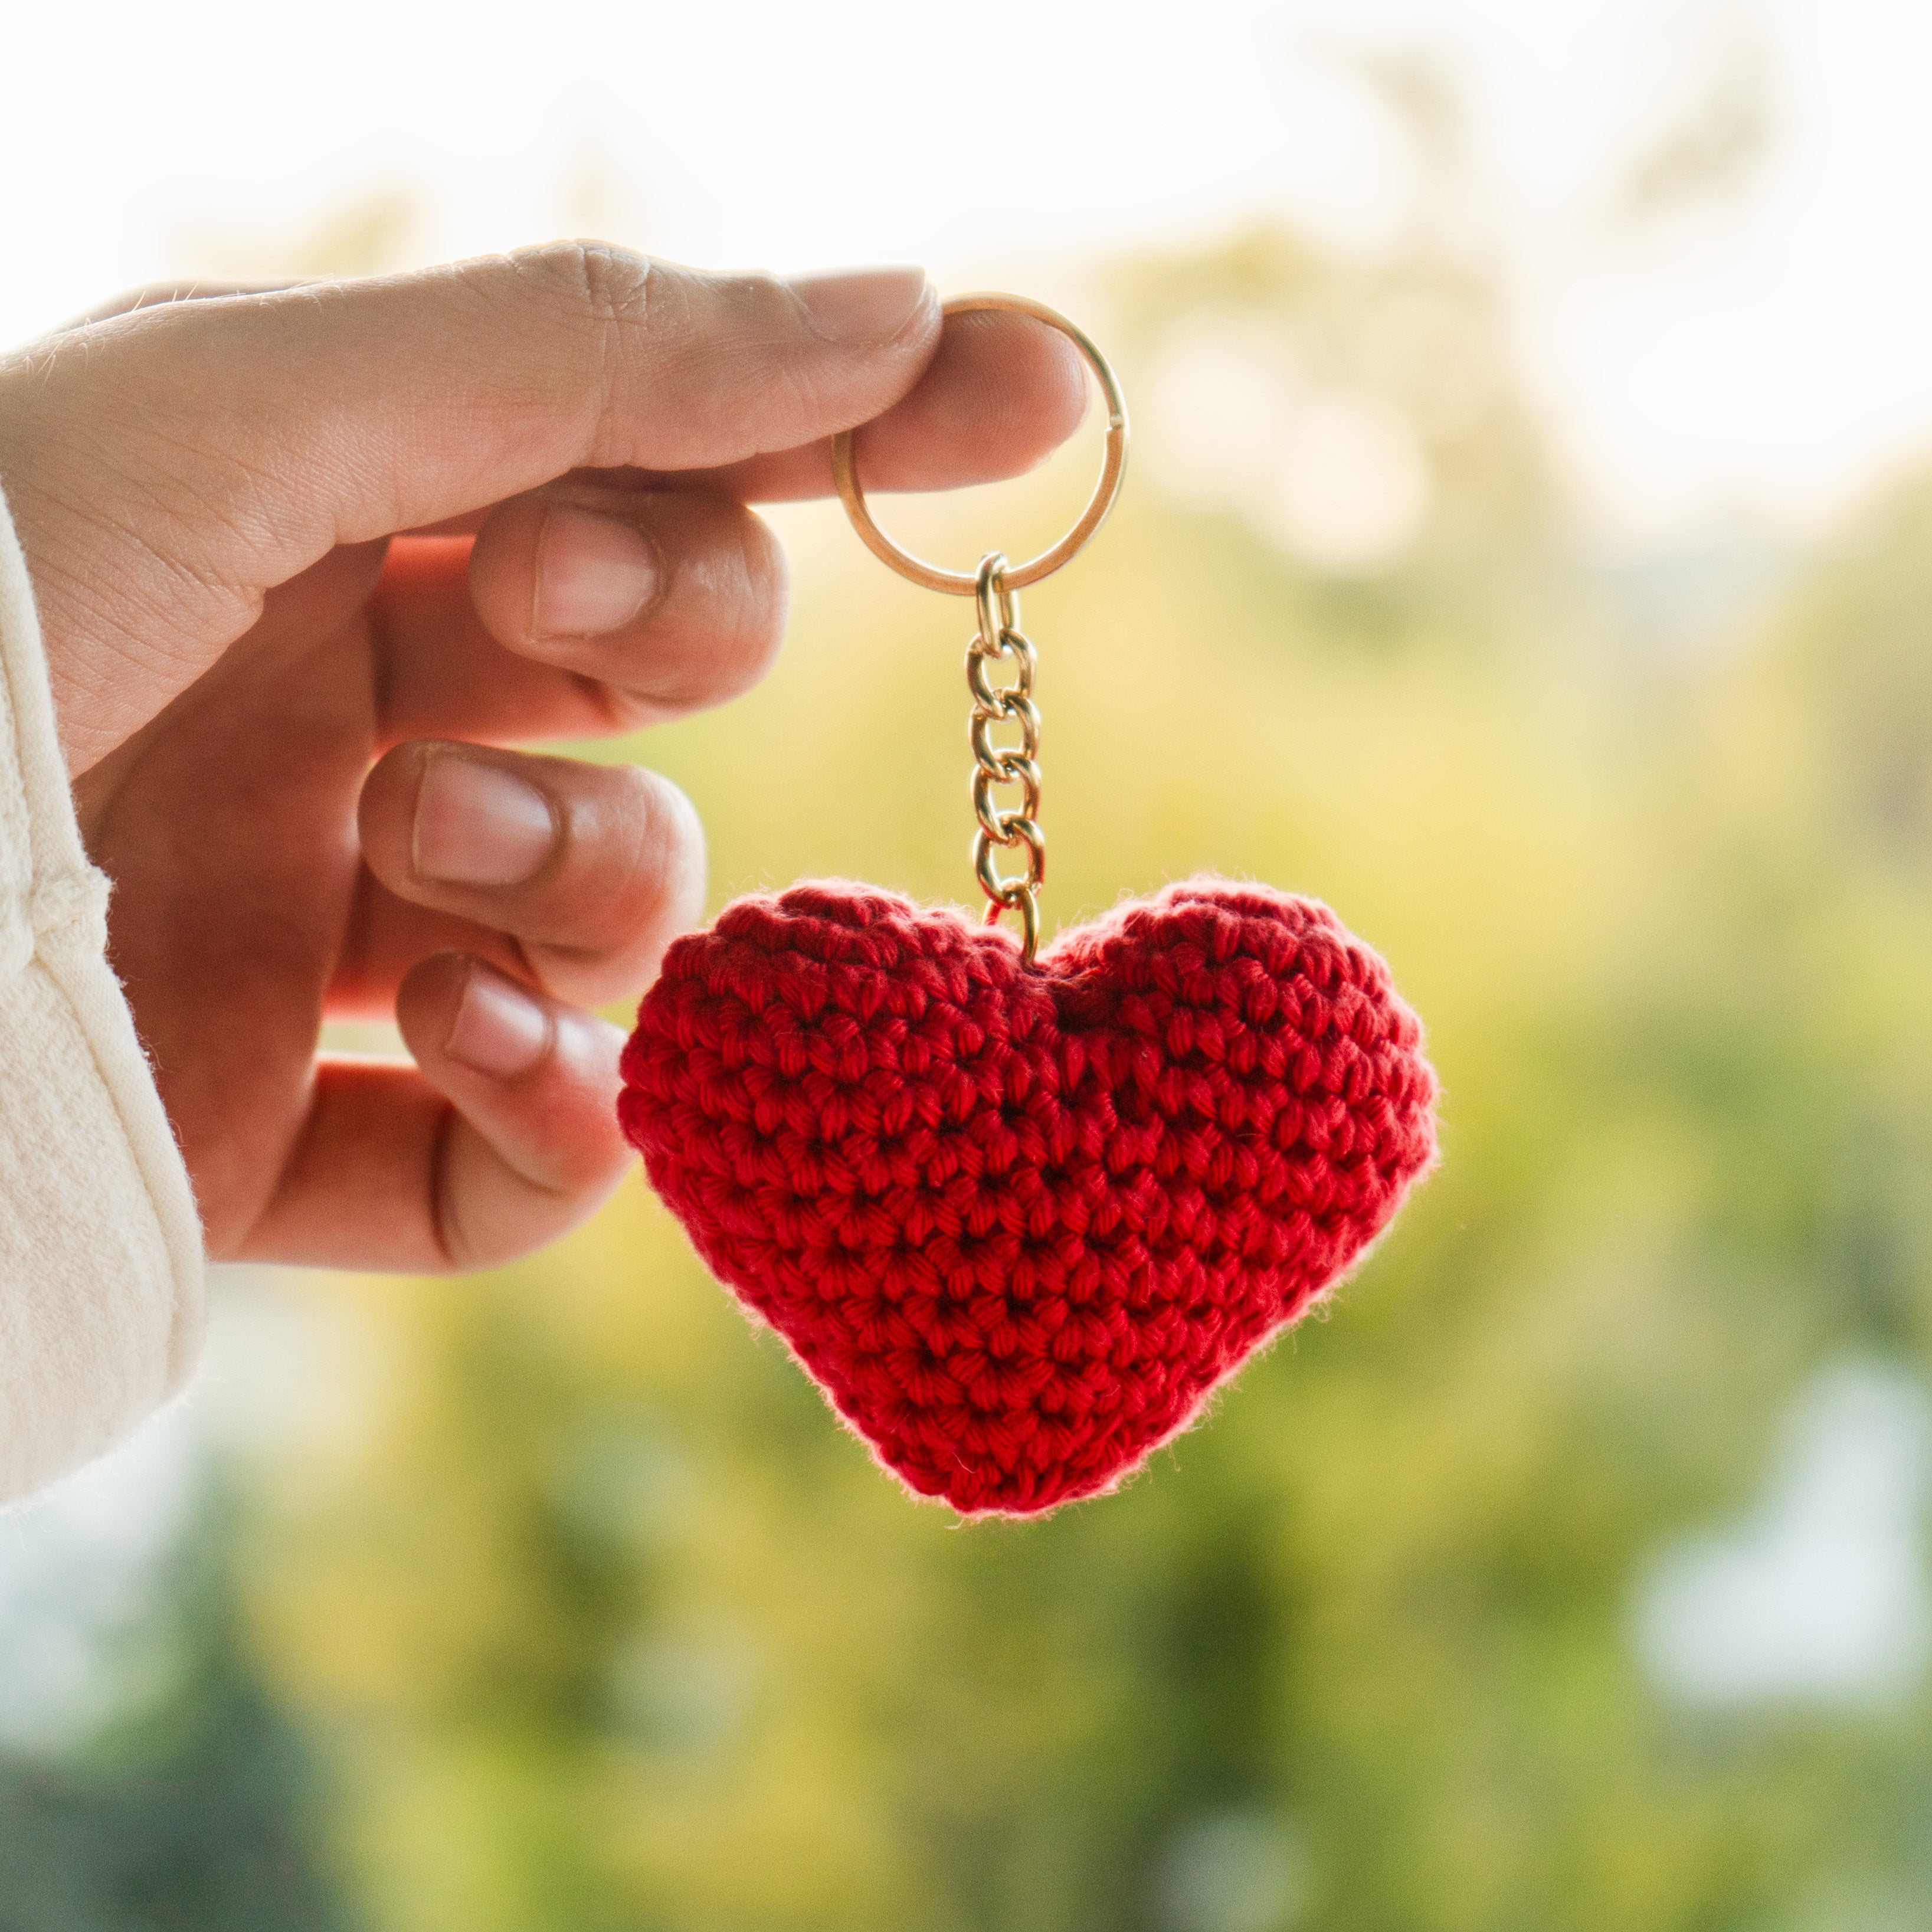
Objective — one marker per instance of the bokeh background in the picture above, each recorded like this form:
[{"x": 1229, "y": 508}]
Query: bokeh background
[{"x": 1528, "y": 549}]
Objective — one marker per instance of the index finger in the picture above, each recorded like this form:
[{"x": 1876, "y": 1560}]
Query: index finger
[
  {"x": 168, "y": 467},
  {"x": 1001, "y": 393}
]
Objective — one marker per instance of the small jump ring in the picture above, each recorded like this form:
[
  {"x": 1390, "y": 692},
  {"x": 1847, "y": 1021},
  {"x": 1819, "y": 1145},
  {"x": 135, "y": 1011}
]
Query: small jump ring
[
  {"x": 1028, "y": 903},
  {"x": 1113, "y": 467},
  {"x": 996, "y": 603}
]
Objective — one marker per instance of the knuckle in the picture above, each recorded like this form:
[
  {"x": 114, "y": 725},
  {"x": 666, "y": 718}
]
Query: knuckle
[
  {"x": 615, "y": 287},
  {"x": 602, "y": 289},
  {"x": 584, "y": 302}
]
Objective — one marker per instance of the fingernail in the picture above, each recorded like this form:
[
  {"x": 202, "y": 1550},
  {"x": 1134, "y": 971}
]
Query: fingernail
[
  {"x": 861, "y": 304},
  {"x": 499, "y": 1029},
  {"x": 594, "y": 574},
  {"x": 477, "y": 824}
]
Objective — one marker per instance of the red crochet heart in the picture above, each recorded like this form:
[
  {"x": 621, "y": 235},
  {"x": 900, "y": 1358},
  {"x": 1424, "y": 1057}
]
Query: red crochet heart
[{"x": 1020, "y": 1221}]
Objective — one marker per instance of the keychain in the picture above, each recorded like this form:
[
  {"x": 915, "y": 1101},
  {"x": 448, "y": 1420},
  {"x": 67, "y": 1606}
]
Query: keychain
[{"x": 1019, "y": 1211}]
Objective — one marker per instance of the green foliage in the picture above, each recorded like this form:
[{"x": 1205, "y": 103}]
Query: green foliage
[{"x": 199, "y": 1810}]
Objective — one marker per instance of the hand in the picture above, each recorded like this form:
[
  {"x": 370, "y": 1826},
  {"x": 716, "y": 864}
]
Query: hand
[{"x": 249, "y": 522}]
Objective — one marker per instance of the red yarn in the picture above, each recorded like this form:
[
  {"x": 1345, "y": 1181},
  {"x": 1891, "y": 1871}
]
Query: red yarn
[{"x": 1020, "y": 1221}]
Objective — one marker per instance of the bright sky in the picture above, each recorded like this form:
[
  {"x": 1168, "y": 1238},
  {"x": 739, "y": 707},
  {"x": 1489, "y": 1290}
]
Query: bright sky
[{"x": 1768, "y": 358}]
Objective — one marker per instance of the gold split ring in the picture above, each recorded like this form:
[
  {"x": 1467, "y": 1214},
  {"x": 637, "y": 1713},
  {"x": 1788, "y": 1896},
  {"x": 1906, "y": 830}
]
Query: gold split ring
[{"x": 1113, "y": 468}]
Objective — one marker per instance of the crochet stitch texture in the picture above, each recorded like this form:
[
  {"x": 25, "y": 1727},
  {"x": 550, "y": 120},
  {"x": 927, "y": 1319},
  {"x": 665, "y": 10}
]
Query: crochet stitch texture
[{"x": 1020, "y": 1221}]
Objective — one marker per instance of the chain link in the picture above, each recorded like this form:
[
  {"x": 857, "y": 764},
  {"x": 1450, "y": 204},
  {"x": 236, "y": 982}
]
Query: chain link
[{"x": 999, "y": 640}]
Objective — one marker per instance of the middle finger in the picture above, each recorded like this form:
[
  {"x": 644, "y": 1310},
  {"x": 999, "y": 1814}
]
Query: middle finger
[{"x": 580, "y": 610}]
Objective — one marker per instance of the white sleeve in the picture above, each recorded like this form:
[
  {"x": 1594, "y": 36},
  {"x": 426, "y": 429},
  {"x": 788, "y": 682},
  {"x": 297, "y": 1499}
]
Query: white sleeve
[{"x": 101, "y": 1262}]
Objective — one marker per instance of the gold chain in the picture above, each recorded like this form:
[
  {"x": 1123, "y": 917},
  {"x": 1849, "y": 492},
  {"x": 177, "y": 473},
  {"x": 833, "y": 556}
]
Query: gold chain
[
  {"x": 999, "y": 636},
  {"x": 995, "y": 588}
]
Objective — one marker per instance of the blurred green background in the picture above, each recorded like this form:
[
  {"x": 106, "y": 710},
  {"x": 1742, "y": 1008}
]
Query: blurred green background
[{"x": 1570, "y": 1573}]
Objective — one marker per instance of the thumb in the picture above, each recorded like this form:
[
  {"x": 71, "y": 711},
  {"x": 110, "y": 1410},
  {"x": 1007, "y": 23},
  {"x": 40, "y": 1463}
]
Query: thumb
[{"x": 167, "y": 468}]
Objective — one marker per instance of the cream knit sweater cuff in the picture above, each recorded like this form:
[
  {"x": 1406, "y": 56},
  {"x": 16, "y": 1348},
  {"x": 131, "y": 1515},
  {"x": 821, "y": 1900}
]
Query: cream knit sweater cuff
[{"x": 100, "y": 1263}]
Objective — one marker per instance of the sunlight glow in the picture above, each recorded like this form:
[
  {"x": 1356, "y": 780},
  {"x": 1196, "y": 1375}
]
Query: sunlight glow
[{"x": 1708, "y": 218}]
